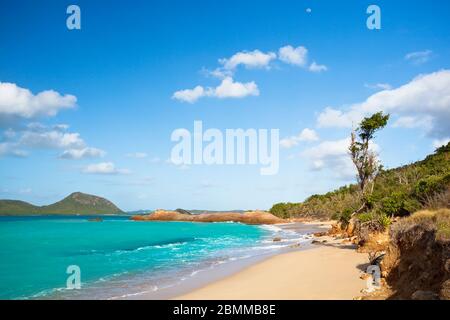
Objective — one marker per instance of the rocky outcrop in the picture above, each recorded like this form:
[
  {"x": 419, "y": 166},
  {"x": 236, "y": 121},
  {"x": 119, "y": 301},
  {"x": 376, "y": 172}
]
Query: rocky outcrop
[
  {"x": 251, "y": 217},
  {"x": 417, "y": 260}
]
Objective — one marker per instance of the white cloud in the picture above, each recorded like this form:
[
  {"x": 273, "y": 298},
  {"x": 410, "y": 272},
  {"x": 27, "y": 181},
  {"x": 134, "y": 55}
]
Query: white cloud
[
  {"x": 11, "y": 149},
  {"x": 314, "y": 67},
  {"x": 20, "y": 102},
  {"x": 104, "y": 168},
  {"x": 333, "y": 156},
  {"x": 305, "y": 135},
  {"x": 61, "y": 127},
  {"x": 219, "y": 73},
  {"x": 419, "y": 57},
  {"x": 440, "y": 142},
  {"x": 379, "y": 86},
  {"x": 38, "y": 136},
  {"x": 336, "y": 118},
  {"x": 83, "y": 153},
  {"x": 137, "y": 155},
  {"x": 308, "y": 135},
  {"x": 51, "y": 139},
  {"x": 228, "y": 88},
  {"x": 289, "y": 142},
  {"x": 189, "y": 95},
  {"x": 250, "y": 59},
  {"x": 425, "y": 122},
  {"x": 296, "y": 56},
  {"x": 299, "y": 57},
  {"x": 425, "y": 96},
  {"x": 231, "y": 89}
]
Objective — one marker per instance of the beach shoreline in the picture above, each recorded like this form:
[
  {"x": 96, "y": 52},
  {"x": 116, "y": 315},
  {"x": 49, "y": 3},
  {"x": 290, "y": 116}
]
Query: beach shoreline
[
  {"x": 216, "y": 273},
  {"x": 329, "y": 271}
]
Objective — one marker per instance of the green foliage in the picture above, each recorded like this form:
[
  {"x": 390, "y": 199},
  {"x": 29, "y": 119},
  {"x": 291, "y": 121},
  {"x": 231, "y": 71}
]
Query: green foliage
[
  {"x": 281, "y": 210},
  {"x": 430, "y": 185},
  {"x": 345, "y": 216},
  {"x": 384, "y": 220},
  {"x": 398, "y": 191},
  {"x": 436, "y": 220},
  {"x": 365, "y": 217},
  {"x": 369, "y": 200},
  {"x": 370, "y": 125},
  {"x": 335, "y": 216},
  {"x": 364, "y": 159},
  {"x": 395, "y": 204}
]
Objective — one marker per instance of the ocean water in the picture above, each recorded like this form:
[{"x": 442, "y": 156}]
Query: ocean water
[{"x": 119, "y": 258}]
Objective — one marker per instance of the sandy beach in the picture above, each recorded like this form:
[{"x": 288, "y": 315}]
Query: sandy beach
[{"x": 327, "y": 271}]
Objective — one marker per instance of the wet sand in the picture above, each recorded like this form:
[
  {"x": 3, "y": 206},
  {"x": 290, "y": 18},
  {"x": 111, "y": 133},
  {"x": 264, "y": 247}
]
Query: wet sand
[{"x": 328, "y": 271}]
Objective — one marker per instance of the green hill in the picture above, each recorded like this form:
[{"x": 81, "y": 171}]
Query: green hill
[
  {"x": 76, "y": 203},
  {"x": 397, "y": 192}
]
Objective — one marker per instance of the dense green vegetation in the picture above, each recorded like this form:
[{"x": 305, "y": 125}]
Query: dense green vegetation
[
  {"x": 76, "y": 203},
  {"x": 396, "y": 192}
]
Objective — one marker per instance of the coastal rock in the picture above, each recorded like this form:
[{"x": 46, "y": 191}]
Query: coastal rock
[
  {"x": 351, "y": 227},
  {"x": 447, "y": 265},
  {"x": 250, "y": 217},
  {"x": 320, "y": 234},
  {"x": 276, "y": 239},
  {"x": 415, "y": 264},
  {"x": 335, "y": 229},
  {"x": 424, "y": 295},
  {"x": 182, "y": 211},
  {"x": 444, "y": 294}
]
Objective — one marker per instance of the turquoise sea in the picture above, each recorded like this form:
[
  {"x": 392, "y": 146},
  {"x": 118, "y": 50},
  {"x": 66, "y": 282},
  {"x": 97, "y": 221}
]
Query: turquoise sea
[{"x": 117, "y": 257}]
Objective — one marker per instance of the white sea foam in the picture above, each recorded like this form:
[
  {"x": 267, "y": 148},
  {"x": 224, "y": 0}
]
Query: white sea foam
[
  {"x": 270, "y": 227},
  {"x": 128, "y": 295}
]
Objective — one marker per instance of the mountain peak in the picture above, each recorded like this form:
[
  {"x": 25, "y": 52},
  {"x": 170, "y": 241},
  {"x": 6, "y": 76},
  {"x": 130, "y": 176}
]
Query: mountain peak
[{"x": 75, "y": 203}]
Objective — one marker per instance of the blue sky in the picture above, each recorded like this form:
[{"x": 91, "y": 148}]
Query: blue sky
[{"x": 112, "y": 110}]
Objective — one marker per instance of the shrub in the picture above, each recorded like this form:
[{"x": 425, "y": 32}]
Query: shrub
[
  {"x": 335, "y": 216},
  {"x": 439, "y": 200},
  {"x": 365, "y": 217},
  {"x": 396, "y": 192},
  {"x": 280, "y": 210},
  {"x": 384, "y": 221},
  {"x": 431, "y": 185},
  {"x": 394, "y": 204},
  {"x": 438, "y": 220},
  {"x": 443, "y": 224},
  {"x": 345, "y": 217}
]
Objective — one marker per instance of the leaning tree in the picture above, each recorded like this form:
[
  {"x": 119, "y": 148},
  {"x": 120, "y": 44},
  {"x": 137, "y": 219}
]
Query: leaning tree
[{"x": 363, "y": 157}]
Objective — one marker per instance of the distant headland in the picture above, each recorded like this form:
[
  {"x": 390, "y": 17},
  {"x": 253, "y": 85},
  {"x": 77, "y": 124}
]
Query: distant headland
[{"x": 76, "y": 203}]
